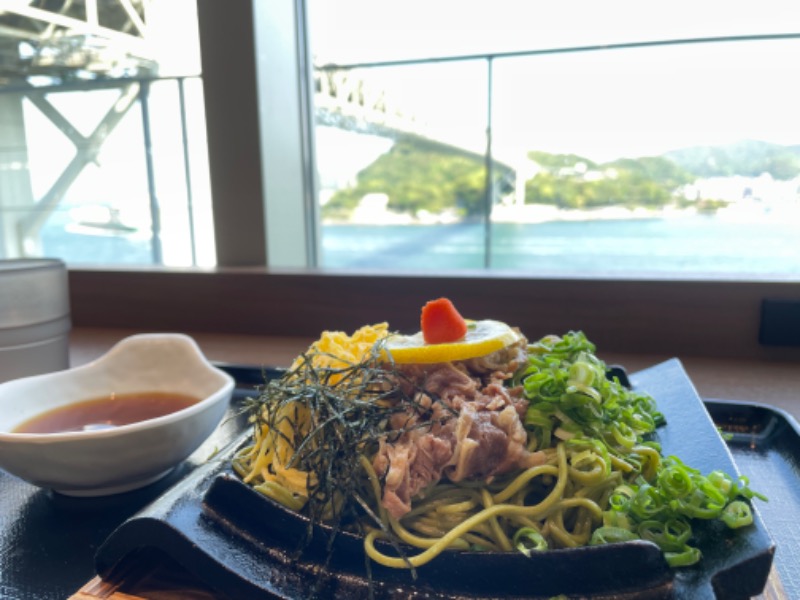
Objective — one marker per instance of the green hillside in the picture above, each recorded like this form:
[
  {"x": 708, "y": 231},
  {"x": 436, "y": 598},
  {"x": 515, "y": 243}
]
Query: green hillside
[
  {"x": 417, "y": 175},
  {"x": 750, "y": 158}
]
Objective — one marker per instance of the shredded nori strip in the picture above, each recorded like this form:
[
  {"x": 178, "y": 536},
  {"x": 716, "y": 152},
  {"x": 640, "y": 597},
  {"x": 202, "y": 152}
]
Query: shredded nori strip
[{"x": 348, "y": 411}]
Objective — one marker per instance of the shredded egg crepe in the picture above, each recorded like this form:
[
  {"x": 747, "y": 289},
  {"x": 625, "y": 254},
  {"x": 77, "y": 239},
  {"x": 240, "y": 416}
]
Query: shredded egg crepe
[{"x": 337, "y": 350}]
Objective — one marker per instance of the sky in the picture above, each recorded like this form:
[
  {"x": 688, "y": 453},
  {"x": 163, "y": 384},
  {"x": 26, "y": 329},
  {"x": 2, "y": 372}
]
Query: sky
[
  {"x": 359, "y": 30},
  {"x": 602, "y": 104}
]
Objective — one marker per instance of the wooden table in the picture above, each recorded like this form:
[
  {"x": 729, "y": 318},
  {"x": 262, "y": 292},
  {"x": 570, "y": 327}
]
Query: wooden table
[{"x": 156, "y": 578}]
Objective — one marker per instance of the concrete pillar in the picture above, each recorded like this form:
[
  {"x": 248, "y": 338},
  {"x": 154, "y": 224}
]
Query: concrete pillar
[{"x": 16, "y": 193}]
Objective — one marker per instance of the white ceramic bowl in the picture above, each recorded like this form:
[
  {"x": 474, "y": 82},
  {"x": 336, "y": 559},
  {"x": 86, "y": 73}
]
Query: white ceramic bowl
[{"x": 101, "y": 462}]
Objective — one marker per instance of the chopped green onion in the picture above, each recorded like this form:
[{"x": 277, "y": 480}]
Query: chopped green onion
[
  {"x": 528, "y": 539},
  {"x": 648, "y": 502},
  {"x": 670, "y": 536},
  {"x": 724, "y": 483},
  {"x": 688, "y": 556},
  {"x": 737, "y": 514},
  {"x": 611, "y": 535},
  {"x": 675, "y": 481},
  {"x": 608, "y": 431}
]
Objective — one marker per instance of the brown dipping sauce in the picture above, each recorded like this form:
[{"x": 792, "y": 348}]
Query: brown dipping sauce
[{"x": 106, "y": 412}]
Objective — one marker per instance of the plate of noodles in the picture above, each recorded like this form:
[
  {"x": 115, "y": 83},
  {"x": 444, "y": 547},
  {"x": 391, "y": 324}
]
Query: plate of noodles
[{"x": 467, "y": 461}]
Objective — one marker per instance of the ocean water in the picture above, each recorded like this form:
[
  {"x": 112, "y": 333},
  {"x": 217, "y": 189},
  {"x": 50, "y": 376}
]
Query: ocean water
[{"x": 694, "y": 245}]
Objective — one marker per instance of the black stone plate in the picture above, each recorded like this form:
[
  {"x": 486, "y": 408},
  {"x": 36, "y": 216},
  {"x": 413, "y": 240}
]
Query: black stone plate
[{"x": 242, "y": 544}]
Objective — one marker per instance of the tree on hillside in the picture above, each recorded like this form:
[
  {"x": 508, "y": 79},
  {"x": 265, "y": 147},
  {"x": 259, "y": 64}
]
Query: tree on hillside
[
  {"x": 654, "y": 168},
  {"x": 418, "y": 176},
  {"x": 750, "y": 158},
  {"x": 559, "y": 161},
  {"x": 649, "y": 182}
]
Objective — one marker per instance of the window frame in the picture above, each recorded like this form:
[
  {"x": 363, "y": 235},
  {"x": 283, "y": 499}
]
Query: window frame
[{"x": 262, "y": 178}]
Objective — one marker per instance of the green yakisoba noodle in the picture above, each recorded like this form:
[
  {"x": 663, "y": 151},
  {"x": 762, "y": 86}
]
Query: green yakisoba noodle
[{"x": 604, "y": 479}]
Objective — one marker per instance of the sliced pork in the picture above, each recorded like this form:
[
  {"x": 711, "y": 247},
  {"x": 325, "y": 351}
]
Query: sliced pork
[{"x": 472, "y": 430}]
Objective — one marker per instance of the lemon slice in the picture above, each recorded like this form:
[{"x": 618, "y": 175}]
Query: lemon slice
[{"x": 483, "y": 337}]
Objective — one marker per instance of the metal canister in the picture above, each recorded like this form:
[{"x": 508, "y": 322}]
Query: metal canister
[{"x": 34, "y": 317}]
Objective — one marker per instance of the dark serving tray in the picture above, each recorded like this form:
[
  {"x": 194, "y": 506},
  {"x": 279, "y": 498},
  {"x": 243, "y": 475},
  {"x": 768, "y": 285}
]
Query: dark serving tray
[
  {"x": 765, "y": 443},
  {"x": 243, "y": 544},
  {"x": 50, "y": 545}
]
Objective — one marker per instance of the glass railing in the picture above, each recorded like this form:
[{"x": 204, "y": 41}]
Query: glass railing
[{"x": 679, "y": 157}]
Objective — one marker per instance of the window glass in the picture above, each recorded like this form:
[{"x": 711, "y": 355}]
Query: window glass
[
  {"x": 673, "y": 159},
  {"x": 102, "y": 136},
  {"x": 400, "y": 167},
  {"x": 370, "y": 31},
  {"x": 676, "y": 151}
]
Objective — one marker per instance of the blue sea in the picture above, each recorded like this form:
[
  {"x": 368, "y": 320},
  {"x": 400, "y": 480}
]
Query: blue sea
[
  {"x": 689, "y": 245},
  {"x": 692, "y": 245}
]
